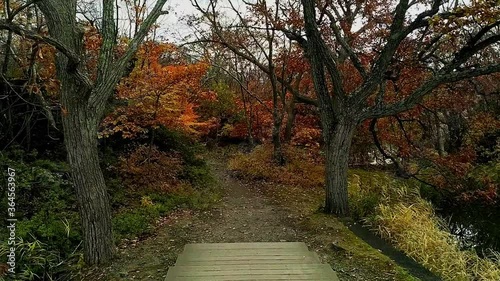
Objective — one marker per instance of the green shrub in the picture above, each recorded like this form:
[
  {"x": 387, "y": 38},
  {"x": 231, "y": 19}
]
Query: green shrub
[
  {"x": 37, "y": 261},
  {"x": 168, "y": 140},
  {"x": 48, "y": 222},
  {"x": 195, "y": 170},
  {"x": 60, "y": 231},
  {"x": 152, "y": 180},
  {"x": 199, "y": 176},
  {"x": 133, "y": 223},
  {"x": 140, "y": 220},
  {"x": 364, "y": 192}
]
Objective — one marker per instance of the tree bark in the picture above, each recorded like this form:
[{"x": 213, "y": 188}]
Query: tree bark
[
  {"x": 337, "y": 146},
  {"x": 290, "y": 120},
  {"x": 278, "y": 151},
  {"x": 439, "y": 134},
  {"x": 80, "y": 124},
  {"x": 80, "y": 132}
]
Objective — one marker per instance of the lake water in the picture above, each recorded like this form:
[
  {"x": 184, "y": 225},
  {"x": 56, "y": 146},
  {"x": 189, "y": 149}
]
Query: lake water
[{"x": 476, "y": 226}]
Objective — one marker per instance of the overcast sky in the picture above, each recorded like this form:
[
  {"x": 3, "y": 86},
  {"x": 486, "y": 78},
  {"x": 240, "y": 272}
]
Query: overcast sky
[{"x": 172, "y": 26}]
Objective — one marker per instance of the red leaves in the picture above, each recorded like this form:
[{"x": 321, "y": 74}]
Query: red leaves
[{"x": 459, "y": 164}]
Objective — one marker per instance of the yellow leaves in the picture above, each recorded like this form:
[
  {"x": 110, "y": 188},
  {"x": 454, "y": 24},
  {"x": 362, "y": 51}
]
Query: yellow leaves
[
  {"x": 473, "y": 14},
  {"x": 146, "y": 201},
  {"x": 300, "y": 170}
]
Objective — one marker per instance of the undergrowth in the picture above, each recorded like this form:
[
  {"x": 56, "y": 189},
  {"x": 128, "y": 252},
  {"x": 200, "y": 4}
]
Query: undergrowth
[
  {"x": 409, "y": 222},
  {"x": 47, "y": 231},
  {"x": 298, "y": 170},
  {"x": 145, "y": 182},
  {"x": 157, "y": 179}
]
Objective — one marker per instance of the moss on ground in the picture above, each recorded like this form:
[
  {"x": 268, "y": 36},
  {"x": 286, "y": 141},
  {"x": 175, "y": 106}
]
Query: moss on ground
[{"x": 349, "y": 255}]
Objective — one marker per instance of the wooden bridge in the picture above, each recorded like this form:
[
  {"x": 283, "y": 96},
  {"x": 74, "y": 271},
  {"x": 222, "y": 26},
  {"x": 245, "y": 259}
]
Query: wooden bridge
[{"x": 249, "y": 261}]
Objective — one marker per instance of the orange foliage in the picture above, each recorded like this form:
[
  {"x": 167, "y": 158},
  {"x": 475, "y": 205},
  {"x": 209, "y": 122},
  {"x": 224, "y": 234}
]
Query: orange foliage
[{"x": 155, "y": 94}]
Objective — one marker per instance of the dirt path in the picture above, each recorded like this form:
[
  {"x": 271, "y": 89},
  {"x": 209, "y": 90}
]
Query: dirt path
[{"x": 243, "y": 215}]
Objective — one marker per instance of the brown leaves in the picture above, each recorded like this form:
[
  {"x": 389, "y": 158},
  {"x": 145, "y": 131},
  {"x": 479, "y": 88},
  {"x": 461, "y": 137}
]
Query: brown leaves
[{"x": 148, "y": 168}]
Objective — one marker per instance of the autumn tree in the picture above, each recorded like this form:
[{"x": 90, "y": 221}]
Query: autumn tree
[
  {"x": 160, "y": 91},
  {"x": 27, "y": 70},
  {"x": 330, "y": 43},
  {"x": 253, "y": 38},
  {"x": 83, "y": 102},
  {"x": 230, "y": 78}
]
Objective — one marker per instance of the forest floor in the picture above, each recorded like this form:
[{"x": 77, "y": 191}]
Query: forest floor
[{"x": 248, "y": 212}]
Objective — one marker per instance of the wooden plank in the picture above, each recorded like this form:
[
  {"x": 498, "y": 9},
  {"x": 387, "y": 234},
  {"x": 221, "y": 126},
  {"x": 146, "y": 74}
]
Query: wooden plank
[
  {"x": 254, "y": 272},
  {"x": 247, "y": 252},
  {"x": 316, "y": 256},
  {"x": 311, "y": 277},
  {"x": 307, "y": 260},
  {"x": 300, "y": 273},
  {"x": 193, "y": 257},
  {"x": 249, "y": 261},
  {"x": 193, "y": 271},
  {"x": 249, "y": 266},
  {"x": 256, "y": 245},
  {"x": 170, "y": 275},
  {"x": 252, "y": 278},
  {"x": 292, "y": 271}
]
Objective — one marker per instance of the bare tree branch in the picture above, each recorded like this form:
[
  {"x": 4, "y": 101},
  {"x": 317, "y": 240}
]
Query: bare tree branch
[
  {"x": 441, "y": 78},
  {"x": 74, "y": 59},
  {"x": 97, "y": 99}
]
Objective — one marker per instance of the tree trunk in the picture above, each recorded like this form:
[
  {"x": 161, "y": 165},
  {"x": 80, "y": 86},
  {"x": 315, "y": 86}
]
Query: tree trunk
[
  {"x": 278, "y": 151},
  {"x": 83, "y": 103},
  {"x": 457, "y": 129},
  {"x": 248, "y": 120},
  {"x": 80, "y": 123},
  {"x": 338, "y": 144},
  {"x": 277, "y": 121},
  {"x": 248, "y": 114},
  {"x": 80, "y": 132},
  {"x": 290, "y": 120},
  {"x": 439, "y": 134}
]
